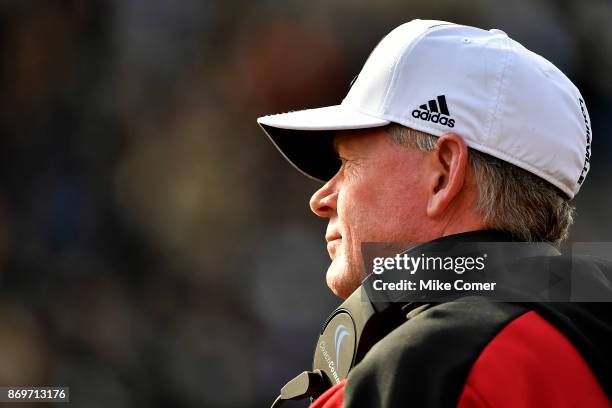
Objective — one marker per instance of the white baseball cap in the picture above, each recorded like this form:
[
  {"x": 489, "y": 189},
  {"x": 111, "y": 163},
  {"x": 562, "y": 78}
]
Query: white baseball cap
[{"x": 440, "y": 77}]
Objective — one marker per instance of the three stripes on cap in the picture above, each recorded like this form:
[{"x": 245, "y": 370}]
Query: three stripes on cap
[{"x": 433, "y": 106}]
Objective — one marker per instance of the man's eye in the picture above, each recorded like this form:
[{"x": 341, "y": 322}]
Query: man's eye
[{"x": 348, "y": 165}]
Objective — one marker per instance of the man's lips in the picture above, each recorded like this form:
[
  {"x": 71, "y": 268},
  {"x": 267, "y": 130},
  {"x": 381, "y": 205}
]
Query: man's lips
[{"x": 330, "y": 238}]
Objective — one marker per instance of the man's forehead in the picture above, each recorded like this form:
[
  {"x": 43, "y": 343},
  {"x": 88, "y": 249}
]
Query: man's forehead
[{"x": 354, "y": 140}]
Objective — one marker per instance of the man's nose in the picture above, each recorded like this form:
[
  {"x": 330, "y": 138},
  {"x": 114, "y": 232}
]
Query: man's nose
[{"x": 323, "y": 201}]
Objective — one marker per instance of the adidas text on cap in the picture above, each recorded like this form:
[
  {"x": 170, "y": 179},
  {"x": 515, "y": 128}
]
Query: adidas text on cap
[{"x": 438, "y": 77}]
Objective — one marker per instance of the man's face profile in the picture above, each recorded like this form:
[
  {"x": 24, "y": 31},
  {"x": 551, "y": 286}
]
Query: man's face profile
[
  {"x": 378, "y": 185},
  {"x": 386, "y": 192}
]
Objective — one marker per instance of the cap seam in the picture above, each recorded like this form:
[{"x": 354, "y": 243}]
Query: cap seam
[
  {"x": 499, "y": 89},
  {"x": 406, "y": 50}
]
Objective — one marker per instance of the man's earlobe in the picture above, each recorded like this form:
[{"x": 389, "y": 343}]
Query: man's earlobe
[{"x": 449, "y": 165}]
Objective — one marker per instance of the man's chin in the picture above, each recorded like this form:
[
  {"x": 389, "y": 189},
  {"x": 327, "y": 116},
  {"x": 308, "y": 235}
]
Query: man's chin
[{"x": 340, "y": 280}]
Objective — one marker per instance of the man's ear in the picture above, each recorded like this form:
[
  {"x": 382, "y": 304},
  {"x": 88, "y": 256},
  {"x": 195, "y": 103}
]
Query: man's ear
[{"x": 449, "y": 166}]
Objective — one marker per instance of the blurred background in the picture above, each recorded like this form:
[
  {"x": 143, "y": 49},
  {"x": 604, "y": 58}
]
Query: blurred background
[{"x": 155, "y": 249}]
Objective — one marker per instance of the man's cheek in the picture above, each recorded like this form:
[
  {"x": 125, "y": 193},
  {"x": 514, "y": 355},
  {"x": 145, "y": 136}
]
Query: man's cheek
[{"x": 369, "y": 211}]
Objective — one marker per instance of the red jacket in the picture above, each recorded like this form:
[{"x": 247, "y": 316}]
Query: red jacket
[{"x": 529, "y": 363}]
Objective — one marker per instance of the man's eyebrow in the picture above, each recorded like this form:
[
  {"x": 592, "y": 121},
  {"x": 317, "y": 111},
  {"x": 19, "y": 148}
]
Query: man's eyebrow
[{"x": 336, "y": 145}]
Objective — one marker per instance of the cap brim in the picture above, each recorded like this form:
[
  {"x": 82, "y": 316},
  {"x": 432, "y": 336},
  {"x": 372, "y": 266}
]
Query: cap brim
[{"x": 306, "y": 138}]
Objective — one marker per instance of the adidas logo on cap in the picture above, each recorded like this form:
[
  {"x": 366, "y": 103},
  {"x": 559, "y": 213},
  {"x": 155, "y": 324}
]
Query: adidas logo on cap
[{"x": 435, "y": 111}]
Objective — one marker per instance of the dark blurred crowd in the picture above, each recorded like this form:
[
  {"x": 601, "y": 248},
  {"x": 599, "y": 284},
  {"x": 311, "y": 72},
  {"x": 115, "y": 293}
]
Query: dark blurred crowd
[{"x": 155, "y": 249}]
